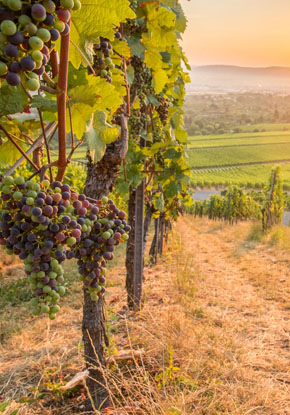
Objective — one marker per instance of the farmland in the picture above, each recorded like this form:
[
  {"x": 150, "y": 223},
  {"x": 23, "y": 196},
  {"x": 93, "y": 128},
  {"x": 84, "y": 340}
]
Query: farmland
[{"x": 243, "y": 159}]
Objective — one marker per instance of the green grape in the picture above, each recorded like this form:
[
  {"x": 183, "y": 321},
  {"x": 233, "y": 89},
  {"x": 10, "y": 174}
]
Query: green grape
[
  {"x": 6, "y": 190},
  {"x": 30, "y": 201},
  {"x": 36, "y": 311},
  {"x": 49, "y": 6},
  {"x": 43, "y": 34},
  {"x": 61, "y": 290},
  {"x": 24, "y": 20},
  {"x": 3, "y": 38},
  {"x": 71, "y": 241},
  {"x": 19, "y": 180},
  {"x": 38, "y": 65},
  {"x": 35, "y": 43},
  {"x": 31, "y": 28},
  {"x": 52, "y": 316},
  {"x": 125, "y": 237},
  {"x": 94, "y": 296},
  {"x": 55, "y": 308},
  {"x": 77, "y": 5},
  {"x": 46, "y": 289},
  {"x": 14, "y": 5},
  {"x": 104, "y": 199},
  {"x": 35, "y": 187},
  {"x": 46, "y": 183},
  {"x": 106, "y": 235},
  {"x": 67, "y": 4},
  {"x": 32, "y": 193},
  {"x": 103, "y": 73},
  {"x": 59, "y": 25},
  {"x": 34, "y": 302},
  {"x": 45, "y": 309},
  {"x": 17, "y": 195},
  {"x": 8, "y": 181},
  {"x": 8, "y": 27},
  {"x": 32, "y": 84}
]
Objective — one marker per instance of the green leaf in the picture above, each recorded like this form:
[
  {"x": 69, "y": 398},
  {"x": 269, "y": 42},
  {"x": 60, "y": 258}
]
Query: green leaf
[
  {"x": 96, "y": 18},
  {"x": 96, "y": 146},
  {"x": 44, "y": 104},
  {"x": 123, "y": 187},
  {"x": 9, "y": 153},
  {"x": 85, "y": 100},
  {"x": 136, "y": 46},
  {"x": 12, "y": 99},
  {"x": 107, "y": 133}
]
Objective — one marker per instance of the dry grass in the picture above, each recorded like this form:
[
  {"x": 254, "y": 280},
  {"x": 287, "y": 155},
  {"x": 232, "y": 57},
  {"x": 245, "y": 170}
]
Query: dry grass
[{"x": 214, "y": 326}]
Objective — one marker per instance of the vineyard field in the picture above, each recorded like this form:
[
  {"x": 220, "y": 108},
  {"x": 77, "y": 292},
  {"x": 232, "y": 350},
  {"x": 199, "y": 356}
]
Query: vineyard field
[{"x": 223, "y": 159}]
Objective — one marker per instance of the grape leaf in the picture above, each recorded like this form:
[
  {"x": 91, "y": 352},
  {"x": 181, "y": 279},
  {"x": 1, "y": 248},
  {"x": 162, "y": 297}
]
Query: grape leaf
[
  {"x": 9, "y": 153},
  {"x": 96, "y": 18},
  {"x": 96, "y": 145},
  {"x": 85, "y": 100},
  {"x": 12, "y": 100},
  {"x": 44, "y": 104},
  {"x": 107, "y": 133}
]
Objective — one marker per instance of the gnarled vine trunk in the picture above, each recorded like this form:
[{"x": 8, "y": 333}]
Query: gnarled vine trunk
[{"x": 100, "y": 180}]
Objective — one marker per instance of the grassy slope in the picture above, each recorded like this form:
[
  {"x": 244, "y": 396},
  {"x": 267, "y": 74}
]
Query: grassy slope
[{"x": 213, "y": 328}]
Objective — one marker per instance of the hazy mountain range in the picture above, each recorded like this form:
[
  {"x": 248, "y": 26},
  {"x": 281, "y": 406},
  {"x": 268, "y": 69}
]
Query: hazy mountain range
[{"x": 227, "y": 78}]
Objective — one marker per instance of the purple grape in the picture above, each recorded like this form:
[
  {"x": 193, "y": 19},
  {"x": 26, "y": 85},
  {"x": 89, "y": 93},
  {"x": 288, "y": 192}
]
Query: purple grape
[
  {"x": 82, "y": 211},
  {"x": 15, "y": 67},
  {"x": 82, "y": 198},
  {"x": 39, "y": 71},
  {"x": 65, "y": 188},
  {"x": 49, "y": 21},
  {"x": 12, "y": 79},
  {"x": 48, "y": 210},
  {"x": 32, "y": 237},
  {"x": 22, "y": 255},
  {"x": 65, "y": 195},
  {"x": 73, "y": 224},
  {"x": 56, "y": 183},
  {"x": 122, "y": 214},
  {"x": 36, "y": 211},
  {"x": 39, "y": 292},
  {"x": 44, "y": 267},
  {"x": 65, "y": 220},
  {"x": 11, "y": 51},
  {"x": 66, "y": 30},
  {"x": 27, "y": 63},
  {"x": 107, "y": 255},
  {"x": 45, "y": 279},
  {"x": 49, "y": 244},
  {"x": 49, "y": 200},
  {"x": 81, "y": 221},
  {"x": 61, "y": 209},
  {"x": 16, "y": 39},
  {"x": 38, "y": 12}
]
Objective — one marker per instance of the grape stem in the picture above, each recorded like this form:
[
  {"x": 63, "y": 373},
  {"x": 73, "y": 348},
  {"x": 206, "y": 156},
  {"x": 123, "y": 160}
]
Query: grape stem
[
  {"x": 46, "y": 145},
  {"x": 61, "y": 105},
  {"x": 36, "y": 144},
  {"x": 54, "y": 62},
  {"x": 48, "y": 89},
  {"x": 18, "y": 147}
]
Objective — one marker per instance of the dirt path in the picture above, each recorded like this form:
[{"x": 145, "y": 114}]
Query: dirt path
[{"x": 244, "y": 288}]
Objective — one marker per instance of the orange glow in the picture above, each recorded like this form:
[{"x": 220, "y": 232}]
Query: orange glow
[{"x": 237, "y": 32}]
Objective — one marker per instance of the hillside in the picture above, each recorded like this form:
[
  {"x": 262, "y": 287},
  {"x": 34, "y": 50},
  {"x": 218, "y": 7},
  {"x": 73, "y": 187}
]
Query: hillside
[{"x": 226, "y": 78}]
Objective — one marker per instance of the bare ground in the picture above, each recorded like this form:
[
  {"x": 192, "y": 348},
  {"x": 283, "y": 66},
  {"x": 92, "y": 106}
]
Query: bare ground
[{"x": 215, "y": 328}]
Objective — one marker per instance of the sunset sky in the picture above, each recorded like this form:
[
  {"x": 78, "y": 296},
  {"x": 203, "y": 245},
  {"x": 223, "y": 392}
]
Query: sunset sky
[{"x": 238, "y": 32}]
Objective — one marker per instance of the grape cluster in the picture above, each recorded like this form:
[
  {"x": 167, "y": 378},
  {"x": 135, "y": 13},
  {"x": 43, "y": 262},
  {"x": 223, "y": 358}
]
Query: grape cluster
[
  {"x": 143, "y": 80},
  {"x": 103, "y": 64},
  {"x": 27, "y": 30},
  {"x": 163, "y": 110},
  {"x": 46, "y": 224},
  {"x": 97, "y": 247}
]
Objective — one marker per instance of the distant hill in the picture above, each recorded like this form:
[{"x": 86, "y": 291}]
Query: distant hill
[
  {"x": 227, "y": 78},
  {"x": 245, "y": 71}
]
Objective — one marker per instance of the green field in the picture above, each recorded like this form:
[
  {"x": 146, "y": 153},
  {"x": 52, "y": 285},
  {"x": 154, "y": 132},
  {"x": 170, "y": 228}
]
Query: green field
[{"x": 223, "y": 159}]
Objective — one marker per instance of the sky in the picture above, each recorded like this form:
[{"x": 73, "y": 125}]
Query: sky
[{"x": 237, "y": 32}]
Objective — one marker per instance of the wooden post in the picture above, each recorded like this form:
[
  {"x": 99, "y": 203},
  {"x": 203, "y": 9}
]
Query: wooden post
[{"x": 139, "y": 243}]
